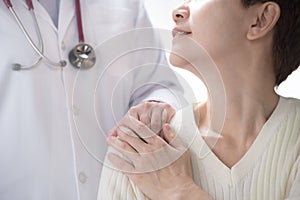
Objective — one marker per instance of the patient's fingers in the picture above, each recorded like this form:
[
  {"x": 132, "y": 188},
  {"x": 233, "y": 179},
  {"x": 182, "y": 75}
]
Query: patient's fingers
[
  {"x": 118, "y": 144},
  {"x": 120, "y": 163}
]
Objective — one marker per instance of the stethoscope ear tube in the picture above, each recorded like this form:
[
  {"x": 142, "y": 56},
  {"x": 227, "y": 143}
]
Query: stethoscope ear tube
[{"x": 17, "y": 66}]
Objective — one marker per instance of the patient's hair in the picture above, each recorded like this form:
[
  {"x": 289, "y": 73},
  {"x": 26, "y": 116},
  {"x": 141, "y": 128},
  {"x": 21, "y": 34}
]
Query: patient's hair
[{"x": 286, "y": 38}]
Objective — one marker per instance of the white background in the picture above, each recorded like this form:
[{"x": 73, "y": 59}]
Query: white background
[{"x": 160, "y": 13}]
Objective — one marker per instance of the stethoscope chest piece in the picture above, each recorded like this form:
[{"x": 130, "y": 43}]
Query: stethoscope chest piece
[{"x": 82, "y": 56}]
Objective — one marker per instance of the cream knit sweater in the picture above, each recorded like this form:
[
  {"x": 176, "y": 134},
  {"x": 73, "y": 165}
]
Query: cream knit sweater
[{"x": 270, "y": 169}]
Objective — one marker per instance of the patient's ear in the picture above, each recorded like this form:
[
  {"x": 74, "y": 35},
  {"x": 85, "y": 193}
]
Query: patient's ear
[{"x": 265, "y": 18}]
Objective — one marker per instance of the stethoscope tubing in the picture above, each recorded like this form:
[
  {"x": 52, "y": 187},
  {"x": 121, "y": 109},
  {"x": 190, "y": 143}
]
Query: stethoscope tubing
[
  {"x": 61, "y": 63},
  {"x": 81, "y": 56},
  {"x": 36, "y": 49},
  {"x": 79, "y": 21},
  {"x": 17, "y": 66}
]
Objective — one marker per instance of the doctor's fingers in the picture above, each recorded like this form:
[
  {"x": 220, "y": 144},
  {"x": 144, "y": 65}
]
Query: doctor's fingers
[
  {"x": 142, "y": 112},
  {"x": 156, "y": 119},
  {"x": 160, "y": 115},
  {"x": 153, "y": 114}
]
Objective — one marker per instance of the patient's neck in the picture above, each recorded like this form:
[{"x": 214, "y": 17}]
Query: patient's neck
[{"x": 250, "y": 100}]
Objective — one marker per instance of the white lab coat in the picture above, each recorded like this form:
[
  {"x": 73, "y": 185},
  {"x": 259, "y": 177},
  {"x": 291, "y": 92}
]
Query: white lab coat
[{"x": 53, "y": 121}]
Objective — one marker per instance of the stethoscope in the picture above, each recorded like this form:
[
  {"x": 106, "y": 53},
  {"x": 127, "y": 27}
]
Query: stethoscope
[{"x": 82, "y": 56}]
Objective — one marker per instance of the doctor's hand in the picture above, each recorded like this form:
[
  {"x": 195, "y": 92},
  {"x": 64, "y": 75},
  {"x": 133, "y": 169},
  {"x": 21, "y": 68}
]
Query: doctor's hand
[
  {"x": 160, "y": 168},
  {"x": 153, "y": 114}
]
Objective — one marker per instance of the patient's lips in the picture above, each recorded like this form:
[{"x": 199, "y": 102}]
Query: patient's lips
[{"x": 179, "y": 32}]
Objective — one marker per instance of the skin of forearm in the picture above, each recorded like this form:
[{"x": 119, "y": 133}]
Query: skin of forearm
[{"x": 189, "y": 191}]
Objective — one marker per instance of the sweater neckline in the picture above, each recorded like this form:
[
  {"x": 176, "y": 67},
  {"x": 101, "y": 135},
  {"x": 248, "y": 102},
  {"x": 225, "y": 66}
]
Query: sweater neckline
[{"x": 240, "y": 169}]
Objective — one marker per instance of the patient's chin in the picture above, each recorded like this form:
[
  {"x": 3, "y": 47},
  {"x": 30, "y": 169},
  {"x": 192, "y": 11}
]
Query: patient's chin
[{"x": 177, "y": 60}]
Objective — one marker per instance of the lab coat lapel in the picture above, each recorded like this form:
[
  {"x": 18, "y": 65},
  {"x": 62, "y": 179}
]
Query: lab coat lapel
[
  {"x": 66, "y": 14},
  {"x": 42, "y": 13}
]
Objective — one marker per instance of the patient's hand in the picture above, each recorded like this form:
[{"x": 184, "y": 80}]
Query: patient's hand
[
  {"x": 160, "y": 167},
  {"x": 153, "y": 114}
]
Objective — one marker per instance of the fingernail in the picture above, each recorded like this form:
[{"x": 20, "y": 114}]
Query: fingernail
[
  {"x": 108, "y": 139},
  {"x": 164, "y": 116}
]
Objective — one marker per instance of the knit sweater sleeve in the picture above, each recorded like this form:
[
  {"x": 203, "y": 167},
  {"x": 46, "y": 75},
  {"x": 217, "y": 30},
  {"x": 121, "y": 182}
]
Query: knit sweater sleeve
[{"x": 114, "y": 185}]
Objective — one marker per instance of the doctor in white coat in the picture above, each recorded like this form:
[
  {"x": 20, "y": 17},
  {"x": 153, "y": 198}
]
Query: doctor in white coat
[{"x": 54, "y": 120}]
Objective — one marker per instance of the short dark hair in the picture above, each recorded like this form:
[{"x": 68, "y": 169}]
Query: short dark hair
[{"x": 286, "y": 39}]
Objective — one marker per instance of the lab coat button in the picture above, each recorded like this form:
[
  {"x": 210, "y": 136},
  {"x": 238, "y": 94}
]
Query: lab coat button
[
  {"x": 82, "y": 177},
  {"x": 75, "y": 110},
  {"x": 63, "y": 46}
]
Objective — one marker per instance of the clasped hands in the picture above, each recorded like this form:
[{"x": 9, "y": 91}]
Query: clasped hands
[{"x": 153, "y": 157}]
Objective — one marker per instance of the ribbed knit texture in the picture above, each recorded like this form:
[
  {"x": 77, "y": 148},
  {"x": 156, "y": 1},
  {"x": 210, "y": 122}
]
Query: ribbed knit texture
[{"x": 269, "y": 170}]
